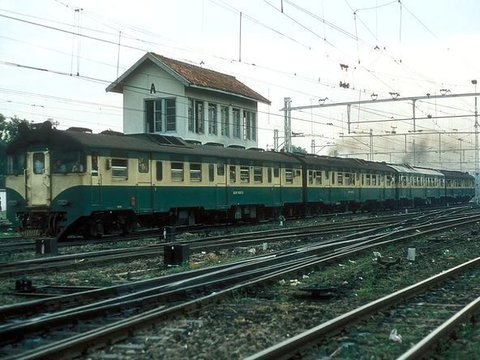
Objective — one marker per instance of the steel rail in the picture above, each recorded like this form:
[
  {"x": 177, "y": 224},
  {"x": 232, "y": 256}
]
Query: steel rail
[
  {"x": 289, "y": 346},
  {"x": 423, "y": 347},
  {"x": 81, "y": 342}
]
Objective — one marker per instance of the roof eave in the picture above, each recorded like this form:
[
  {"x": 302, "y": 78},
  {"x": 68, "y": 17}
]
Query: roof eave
[
  {"x": 117, "y": 85},
  {"x": 262, "y": 99}
]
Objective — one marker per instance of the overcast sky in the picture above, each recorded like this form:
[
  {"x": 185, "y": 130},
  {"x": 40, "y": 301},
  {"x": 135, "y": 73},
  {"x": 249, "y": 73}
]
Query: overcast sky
[{"x": 412, "y": 48}]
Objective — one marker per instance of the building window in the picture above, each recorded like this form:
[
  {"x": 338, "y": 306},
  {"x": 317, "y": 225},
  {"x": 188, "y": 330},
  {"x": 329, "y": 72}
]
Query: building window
[
  {"x": 161, "y": 114},
  {"x": 196, "y": 116},
  {"x": 212, "y": 119},
  {"x": 225, "y": 119},
  {"x": 170, "y": 115},
  {"x": 250, "y": 124},
  {"x": 236, "y": 123}
]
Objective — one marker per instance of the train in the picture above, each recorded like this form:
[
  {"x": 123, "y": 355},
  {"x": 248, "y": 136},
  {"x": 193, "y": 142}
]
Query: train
[{"x": 76, "y": 182}]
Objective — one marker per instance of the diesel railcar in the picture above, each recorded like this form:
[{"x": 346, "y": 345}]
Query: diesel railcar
[{"x": 77, "y": 182}]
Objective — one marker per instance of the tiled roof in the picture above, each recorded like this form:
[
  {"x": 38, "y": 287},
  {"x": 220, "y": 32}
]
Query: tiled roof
[
  {"x": 206, "y": 78},
  {"x": 196, "y": 76}
]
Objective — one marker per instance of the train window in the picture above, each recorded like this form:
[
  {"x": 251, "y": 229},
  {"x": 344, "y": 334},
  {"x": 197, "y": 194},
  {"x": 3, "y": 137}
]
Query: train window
[
  {"x": 94, "y": 164},
  {"x": 38, "y": 163},
  {"x": 318, "y": 177},
  {"x": 276, "y": 172},
  {"x": 350, "y": 179},
  {"x": 143, "y": 166},
  {"x": 177, "y": 171},
  {"x": 220, "y": 169},
  {"x": 374, "y": 180},
  {"x": 258, "y": 174},
  {"x": 15, "y": 164},
  {"x": 159, "y": 172},
  {"x": 368, "y": 182},
  {"x": 340, "y": 178},
  {"x": 298, "y": 172},
  {"x": 211, "y": 172},
  {"x": 389, "y": 180},
  {"x": 333, "y": 177},
  {"x": 363, "y": 179},
  {"x": 289, "y": 176},
  {"x": 244, "y": 174},
  {"x": 68, "y": 161},
  {"x": 120, "y": 169},
  {"x": 233, "y": 174},
  {"x": 310, "y": 176},
  {"x": 195, "y": 172},
  {"x": 269, "y": 174}
]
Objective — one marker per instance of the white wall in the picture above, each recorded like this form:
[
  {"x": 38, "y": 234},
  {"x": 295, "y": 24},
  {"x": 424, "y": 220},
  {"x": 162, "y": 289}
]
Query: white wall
[
  {"x": 138, "y": 90},
  {"x": 166, "y": 85}
]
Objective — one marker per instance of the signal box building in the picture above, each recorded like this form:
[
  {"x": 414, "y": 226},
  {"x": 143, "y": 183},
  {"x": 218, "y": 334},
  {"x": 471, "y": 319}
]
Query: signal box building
[{"x": 170, "y": 97}]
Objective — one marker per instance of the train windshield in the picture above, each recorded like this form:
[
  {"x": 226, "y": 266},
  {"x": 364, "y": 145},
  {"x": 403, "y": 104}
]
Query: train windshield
[
  {"x": 15, "y": 164},
  {"x": 68, "y": 162}
]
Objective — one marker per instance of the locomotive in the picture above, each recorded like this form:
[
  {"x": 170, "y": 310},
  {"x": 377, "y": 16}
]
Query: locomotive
[{"x": 63, "y": 182}]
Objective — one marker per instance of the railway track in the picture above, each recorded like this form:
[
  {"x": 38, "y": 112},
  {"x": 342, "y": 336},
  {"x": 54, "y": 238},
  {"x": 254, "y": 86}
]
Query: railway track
[
  {"x": 78, "y": 326},
  {"x": 424, "y": 313},
  {"x": 42, "y": 264}
]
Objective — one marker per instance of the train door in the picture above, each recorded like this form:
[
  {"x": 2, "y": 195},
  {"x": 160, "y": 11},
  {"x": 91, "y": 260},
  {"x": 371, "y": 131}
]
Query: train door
[
  {"x": 144, "y": 197},
  {"x": 277, "y": 187},
  {"x": 96, "y": 183},
  {"x": 220, "y": 184},
  {"x": 37, "y": 179}
]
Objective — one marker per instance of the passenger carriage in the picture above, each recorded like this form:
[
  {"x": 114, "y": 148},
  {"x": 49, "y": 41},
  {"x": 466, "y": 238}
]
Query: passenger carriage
[
  {"x": 62, "y": 182},
  {"x": 97, "y": 183},
  {"x": 418, "y": 186},
  {"x": 459, "y": 186},
  {"x": 348, "y": 184}
]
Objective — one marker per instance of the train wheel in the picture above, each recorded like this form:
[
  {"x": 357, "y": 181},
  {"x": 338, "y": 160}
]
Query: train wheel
[{"x": 94, "y": 229}]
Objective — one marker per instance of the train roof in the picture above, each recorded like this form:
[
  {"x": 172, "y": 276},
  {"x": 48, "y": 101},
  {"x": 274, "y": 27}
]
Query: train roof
[
  {"x": 344, "y": 163},
  {"x": 413, "y": 170},
  {"x": 456, "y": 174},
  {"x": 84, "y": 140}
]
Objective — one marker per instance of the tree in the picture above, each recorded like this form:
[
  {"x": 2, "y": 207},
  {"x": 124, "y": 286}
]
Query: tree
[
  {"x": 8, "y": 131},
  {"x": 298, "y": 149},
  {"x": 9, "y": 128}
]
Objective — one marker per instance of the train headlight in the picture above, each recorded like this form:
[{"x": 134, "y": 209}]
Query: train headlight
[
  {"x": 62, "y": 202},
  {"x": 12, "y": 203}
]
